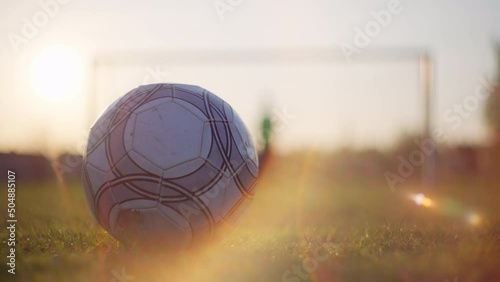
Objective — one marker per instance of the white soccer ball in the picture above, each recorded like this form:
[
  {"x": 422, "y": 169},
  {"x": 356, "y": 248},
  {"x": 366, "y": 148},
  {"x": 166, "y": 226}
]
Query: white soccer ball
[{"x": 169, "y": 163}]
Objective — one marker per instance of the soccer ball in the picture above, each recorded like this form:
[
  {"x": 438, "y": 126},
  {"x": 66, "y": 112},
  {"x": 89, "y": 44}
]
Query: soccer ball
[{"x": 171, "y": 164}]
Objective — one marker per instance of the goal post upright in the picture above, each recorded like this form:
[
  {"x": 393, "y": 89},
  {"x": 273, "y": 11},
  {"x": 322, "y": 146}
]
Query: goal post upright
[{"x": 426, "y": 79}]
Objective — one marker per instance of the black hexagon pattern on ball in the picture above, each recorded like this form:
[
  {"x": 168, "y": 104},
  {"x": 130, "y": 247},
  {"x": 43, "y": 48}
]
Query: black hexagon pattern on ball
[{"x": 216, "y": 111}]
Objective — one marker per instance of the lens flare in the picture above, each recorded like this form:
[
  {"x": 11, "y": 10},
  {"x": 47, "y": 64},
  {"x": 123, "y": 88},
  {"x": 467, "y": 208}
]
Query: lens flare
[
  {"x": 421, "y": 200},
  {"x": 473, "y": 218}
]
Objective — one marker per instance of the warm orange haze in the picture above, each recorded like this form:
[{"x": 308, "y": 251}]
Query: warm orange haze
[{"x": 376, "y": 127}]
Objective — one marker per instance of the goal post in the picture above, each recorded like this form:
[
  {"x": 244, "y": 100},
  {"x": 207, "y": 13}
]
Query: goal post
[{"x": 344, "y": 90}]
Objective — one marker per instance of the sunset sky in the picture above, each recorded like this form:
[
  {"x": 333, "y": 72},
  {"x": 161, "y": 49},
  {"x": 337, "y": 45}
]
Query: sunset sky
[{"x": 45, "y": 77}]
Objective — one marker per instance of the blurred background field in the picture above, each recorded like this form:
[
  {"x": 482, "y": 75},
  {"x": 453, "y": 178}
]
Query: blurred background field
[{"x": 348, "y": 190}]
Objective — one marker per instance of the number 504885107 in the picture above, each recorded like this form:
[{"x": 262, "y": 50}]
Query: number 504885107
[{"x": 11, "y": 190}]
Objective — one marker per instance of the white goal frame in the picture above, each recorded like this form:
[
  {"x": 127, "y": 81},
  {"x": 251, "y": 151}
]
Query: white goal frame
[{"x": 328, "y": 55}]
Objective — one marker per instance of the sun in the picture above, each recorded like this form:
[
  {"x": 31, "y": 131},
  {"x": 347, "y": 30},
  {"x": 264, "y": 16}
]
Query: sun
[{"x": 57, "y": 73}]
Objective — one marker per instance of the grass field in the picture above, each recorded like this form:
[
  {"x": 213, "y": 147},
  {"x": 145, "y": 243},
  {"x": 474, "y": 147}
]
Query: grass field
[{"x": 304, "y": 225}]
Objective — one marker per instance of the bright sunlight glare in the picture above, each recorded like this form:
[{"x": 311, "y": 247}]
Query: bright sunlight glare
[
  {"x": 57, "y": 73},
  {"x": 473, "y": 218},
  {"x": 421, "y": 200}
]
